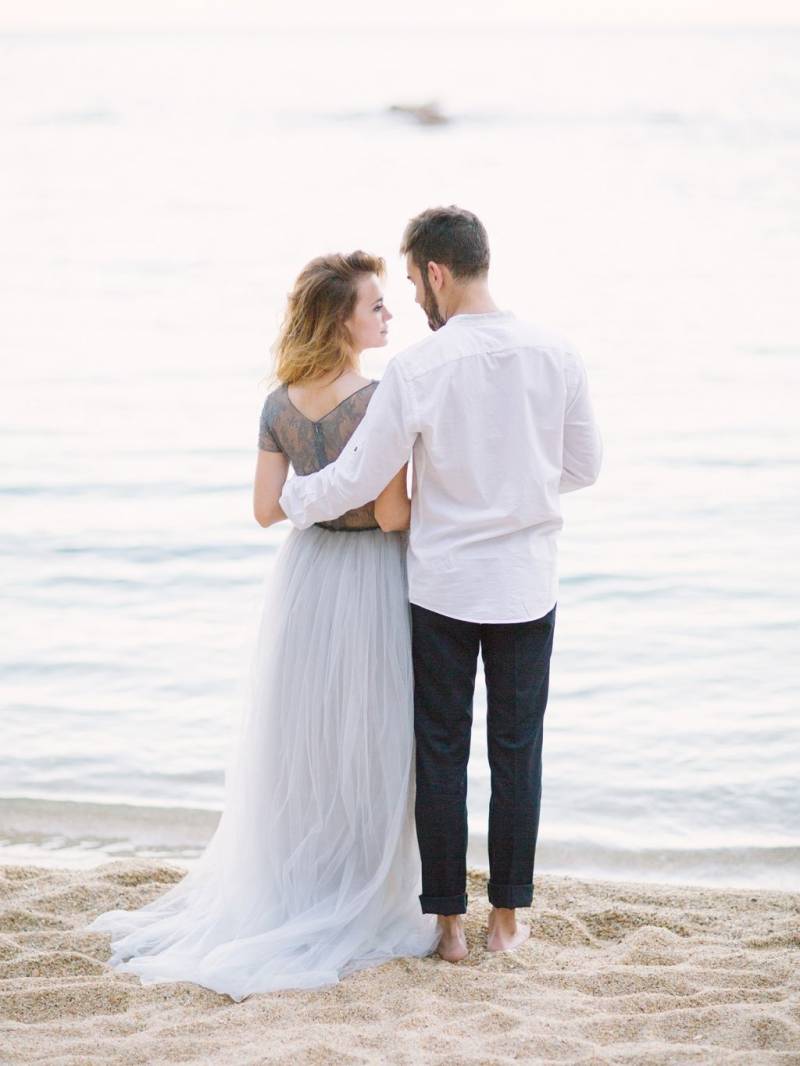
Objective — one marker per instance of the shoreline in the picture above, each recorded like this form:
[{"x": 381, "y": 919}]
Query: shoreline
[
  {"x": 84, "y": 834},
  {"x": 613, "y": 972}
]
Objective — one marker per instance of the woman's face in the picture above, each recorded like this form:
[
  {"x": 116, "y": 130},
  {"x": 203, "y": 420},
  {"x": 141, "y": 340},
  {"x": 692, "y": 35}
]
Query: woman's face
[{"x": 368, "y": 324}]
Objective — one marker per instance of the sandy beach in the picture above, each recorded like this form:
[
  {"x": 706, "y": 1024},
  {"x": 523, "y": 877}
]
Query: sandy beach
[{"x": 613, "y": 973}]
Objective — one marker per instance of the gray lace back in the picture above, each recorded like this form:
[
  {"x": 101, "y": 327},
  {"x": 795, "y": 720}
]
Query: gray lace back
[{"x": 310, "y": 445}]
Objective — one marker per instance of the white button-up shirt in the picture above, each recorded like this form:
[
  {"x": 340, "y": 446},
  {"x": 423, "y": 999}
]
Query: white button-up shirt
[{"x": 498, "y": 417}]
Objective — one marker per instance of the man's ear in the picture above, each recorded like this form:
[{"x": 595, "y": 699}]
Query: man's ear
[{"x": 435, "y": 276}]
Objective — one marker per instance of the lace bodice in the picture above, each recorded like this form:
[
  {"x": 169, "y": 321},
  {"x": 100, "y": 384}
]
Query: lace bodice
[{"x": 310, "y": 445}]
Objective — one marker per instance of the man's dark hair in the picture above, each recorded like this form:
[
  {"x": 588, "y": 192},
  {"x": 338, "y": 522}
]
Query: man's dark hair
[{"x": 448, "y": 235}]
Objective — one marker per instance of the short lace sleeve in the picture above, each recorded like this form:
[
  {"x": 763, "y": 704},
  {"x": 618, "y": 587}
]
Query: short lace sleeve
[{"x": 267, "y": 439}]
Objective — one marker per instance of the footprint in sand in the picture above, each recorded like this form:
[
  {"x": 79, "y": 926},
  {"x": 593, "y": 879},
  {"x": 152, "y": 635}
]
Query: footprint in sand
[
  {"x": 617, "y": 924},
  {"x": 557, "y": 929},
  {"x": 653, "y": 946}
]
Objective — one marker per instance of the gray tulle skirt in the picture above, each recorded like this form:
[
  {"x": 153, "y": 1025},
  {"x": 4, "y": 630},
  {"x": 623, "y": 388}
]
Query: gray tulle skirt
[{"x": 313, "y": 871}]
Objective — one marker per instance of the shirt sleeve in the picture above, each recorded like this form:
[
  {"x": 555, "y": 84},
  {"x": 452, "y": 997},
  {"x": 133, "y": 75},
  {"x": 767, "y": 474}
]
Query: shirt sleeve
[
  {"x": 377, "y": 449},
  {"x": 583, "y": 447},
  {"x": 266, "y": 436}
]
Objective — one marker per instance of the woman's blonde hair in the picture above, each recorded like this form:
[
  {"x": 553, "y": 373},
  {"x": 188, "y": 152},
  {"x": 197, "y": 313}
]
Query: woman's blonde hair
[{"x": 314, "y": 339}]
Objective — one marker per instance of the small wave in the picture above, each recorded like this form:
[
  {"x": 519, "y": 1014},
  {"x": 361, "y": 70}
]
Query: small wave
[
  {"x": 137, "y": 589},
  {"x": 158, "y": 553},
  {"x": 754, "y": 866},
  {"x": 40, "y": 668},
  {"x": 99, "y": 831}
]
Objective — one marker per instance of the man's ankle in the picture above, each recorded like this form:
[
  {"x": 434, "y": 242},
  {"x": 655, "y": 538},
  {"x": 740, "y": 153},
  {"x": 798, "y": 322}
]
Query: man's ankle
[{"x": 506, "y": 915}]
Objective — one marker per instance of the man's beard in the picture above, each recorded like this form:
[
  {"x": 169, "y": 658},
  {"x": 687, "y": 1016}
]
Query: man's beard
[{"x": 429, "y": 306}]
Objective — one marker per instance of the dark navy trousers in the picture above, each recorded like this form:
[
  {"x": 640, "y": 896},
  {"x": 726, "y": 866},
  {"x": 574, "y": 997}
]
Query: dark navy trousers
[{"x": 516, "y": 658}]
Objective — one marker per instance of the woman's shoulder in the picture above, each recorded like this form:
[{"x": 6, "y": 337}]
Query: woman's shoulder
[
  {"x": 276, "y": 402},
  {"x": 358, "y": 396},
  {"x": 356, "y": 403},
  {"x": 270, "y": 421},
  {"x": 276, "y": 397}
]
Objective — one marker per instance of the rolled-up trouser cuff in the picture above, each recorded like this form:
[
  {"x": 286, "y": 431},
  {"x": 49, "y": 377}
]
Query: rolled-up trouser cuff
[
  {"x": 443, "y": 904},
  {"x": 510, "y": 896}
]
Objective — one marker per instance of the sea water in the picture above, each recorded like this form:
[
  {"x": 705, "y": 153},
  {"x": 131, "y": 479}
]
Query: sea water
[{"x": 642, "y": 194}]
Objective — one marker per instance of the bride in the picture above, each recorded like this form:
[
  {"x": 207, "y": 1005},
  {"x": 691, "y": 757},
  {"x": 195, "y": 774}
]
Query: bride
[{"x": 313, "y": 871}]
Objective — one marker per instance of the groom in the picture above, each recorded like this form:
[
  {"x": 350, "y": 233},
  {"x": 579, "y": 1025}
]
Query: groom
[{"x": 498, "y": 416}]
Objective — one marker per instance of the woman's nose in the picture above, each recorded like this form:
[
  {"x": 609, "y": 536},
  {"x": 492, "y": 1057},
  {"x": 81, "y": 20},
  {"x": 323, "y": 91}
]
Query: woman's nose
[{"x": 387, "y": 315}]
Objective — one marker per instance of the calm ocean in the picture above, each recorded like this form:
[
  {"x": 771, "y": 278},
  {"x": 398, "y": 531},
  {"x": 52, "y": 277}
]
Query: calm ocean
[{"x": 642, "y": 192}]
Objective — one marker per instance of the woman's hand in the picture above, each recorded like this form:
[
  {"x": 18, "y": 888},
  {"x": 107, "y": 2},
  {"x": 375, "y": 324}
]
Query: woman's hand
[
  {"x": 393, "y": 507},
  {"x": 271, "y": 471}
]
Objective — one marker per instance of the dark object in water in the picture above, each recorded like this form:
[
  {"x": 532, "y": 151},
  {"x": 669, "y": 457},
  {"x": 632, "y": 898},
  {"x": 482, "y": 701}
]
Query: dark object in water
[{"x": 424, "y": 114}]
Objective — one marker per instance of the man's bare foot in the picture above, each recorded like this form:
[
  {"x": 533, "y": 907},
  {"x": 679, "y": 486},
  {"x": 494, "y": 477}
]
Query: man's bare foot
[
  {"x": 453, "y": 943},
  {"x": 505, "y": 933}
]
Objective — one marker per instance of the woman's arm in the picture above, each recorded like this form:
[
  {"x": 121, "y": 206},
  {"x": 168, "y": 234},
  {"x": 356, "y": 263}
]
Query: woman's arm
[
  {"x": 271, "y": 471},
  {"x": 393, "y": 507}
]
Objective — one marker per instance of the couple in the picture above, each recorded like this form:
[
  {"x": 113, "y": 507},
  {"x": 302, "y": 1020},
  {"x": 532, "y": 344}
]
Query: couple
[{"x": 314, "y": 870}]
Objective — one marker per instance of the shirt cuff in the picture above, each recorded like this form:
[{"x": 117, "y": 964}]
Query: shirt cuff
[{"x": 292, "y": 504}]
